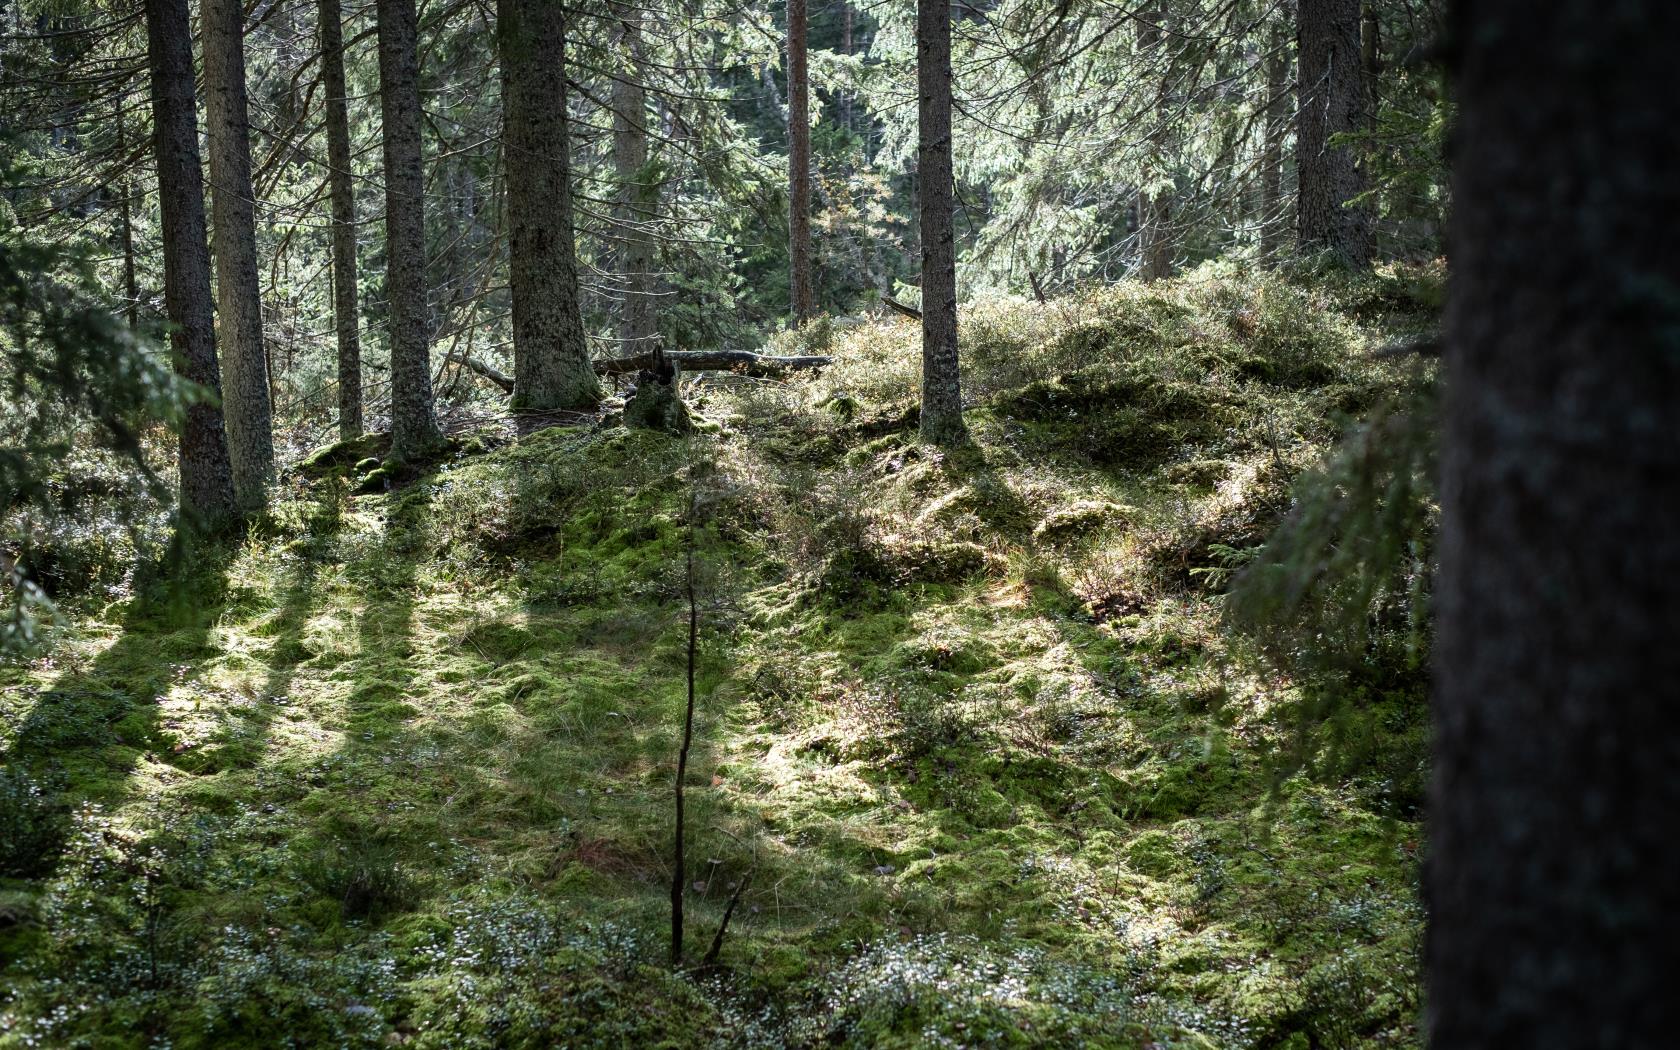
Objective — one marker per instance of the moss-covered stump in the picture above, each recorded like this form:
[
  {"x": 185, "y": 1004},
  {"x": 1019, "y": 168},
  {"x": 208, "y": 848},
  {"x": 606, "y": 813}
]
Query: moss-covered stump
[
  {"x": 341, "y": 456},
  {"x": 657, "y": 403}
]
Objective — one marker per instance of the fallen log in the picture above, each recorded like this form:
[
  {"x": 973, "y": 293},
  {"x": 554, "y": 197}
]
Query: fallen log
[
  {"x": 743, "y": 361},
  {"x": 487, "y": 371},
  {"x": 908, "y": 311}
]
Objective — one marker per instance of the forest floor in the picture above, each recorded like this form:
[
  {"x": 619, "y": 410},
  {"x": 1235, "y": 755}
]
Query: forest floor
[{"x": 397, "y": 768}]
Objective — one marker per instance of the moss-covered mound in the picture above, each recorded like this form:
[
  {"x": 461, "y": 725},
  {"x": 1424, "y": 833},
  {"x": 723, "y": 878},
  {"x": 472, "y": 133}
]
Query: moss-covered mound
[{"x": 396, "y": 769}]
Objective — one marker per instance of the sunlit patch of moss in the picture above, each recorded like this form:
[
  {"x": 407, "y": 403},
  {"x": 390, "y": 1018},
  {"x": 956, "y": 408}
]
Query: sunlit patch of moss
[{"x": 977, "y": 778}]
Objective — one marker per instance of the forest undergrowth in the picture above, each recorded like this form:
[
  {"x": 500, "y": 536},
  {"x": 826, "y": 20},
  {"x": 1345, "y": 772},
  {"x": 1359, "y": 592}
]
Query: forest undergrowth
[{"x": 396, "y": 767}]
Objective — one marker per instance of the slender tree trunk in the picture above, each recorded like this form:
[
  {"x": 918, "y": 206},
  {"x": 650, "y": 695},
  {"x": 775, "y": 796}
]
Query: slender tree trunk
[
  {"x": 551, "y": 367},
  {"x": 1274, "y": 225},
  {"x": 1332, "y": 96},
  {"x": 942, "y": 421},
  {"x": 848, "y": 22},
  {"x": 346, "y": 313},
  {"x": 250, "y": 429},
  {"x": 206, "y": 475},
  {"x": 414, "y": 429},
  {"x": 802, "y": 293},
  {"x": 1370, "y": 59},
  {"x": 131, "y": 283},
  {"x": 1552, "y": 875},
  {"x": 1155, "y": 202},
  {"x": 638, "y": 195}
]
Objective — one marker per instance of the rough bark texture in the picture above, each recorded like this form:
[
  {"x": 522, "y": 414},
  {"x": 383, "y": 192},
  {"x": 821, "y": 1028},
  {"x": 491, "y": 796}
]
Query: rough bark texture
[
  {"x": 550, "y": 356},
  {"x": 414, "y": 429},
  {"x": 1332, "y": 94},
  {"x": 345, "y": 312},
  {"x": 206, "y": 475},
  {"x": 1552, "y": 887},
  {"x": 942, "y": 421},
  {"x": 802, "y": 294},
  {"x": 638, "y": 194},
  {"x": 239, "y": 334},
  {"x": 1274, "y": 205},
  {"x": 1155, "y": 243}
]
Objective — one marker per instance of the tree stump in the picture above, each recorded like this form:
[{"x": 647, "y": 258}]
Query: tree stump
[{"x": 657, "y": 403}]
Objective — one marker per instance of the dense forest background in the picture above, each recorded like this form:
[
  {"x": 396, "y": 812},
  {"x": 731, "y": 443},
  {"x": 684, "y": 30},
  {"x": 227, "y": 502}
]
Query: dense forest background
[{"x": 908, "y": 524}]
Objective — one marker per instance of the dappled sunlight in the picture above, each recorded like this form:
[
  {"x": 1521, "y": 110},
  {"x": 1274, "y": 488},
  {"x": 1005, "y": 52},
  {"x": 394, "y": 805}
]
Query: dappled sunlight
[{"x": 960, "y": 715}]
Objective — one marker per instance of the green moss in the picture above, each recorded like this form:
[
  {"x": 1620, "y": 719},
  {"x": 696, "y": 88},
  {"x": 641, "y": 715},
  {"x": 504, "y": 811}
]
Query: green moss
[
  {"x": 966, "y": 720},
  {"x": 1080, "y": 521}
]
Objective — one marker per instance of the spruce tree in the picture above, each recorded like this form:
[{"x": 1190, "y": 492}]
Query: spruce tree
[
  {"x": 206, "y": 473},
  {"x": 551, "y": 368},
  {"x": 239, "y": 330},
  {"x": 414, "y": 429},
  {"x": 941, "y": 419},
  {"x": 1332, "y": 100}
]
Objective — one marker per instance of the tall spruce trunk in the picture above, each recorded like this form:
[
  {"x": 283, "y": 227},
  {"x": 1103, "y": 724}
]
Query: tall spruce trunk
[
  {"x": 239, "y": 331},
  {"x": 1155, "y": 242},
  {"x": 206, "y": 474},
  {"x": 1332, "y": 95},
  {"x": 638, "y": 194},
  {"x": 346, "y": 314},
  {"x": 942, "y": 421},
  {"x": 1552, "y": 875},
  {"x": 1274, "y": 227},
  {"x": 414, "y": 429},
  {"x": 802, "y": 293},
  {"x": 551, "y": 369}
]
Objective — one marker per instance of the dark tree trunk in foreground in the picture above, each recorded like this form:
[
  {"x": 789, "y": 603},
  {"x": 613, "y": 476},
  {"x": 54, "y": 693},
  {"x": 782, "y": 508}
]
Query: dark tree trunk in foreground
[
  {"x": 1155, "y": 202},
  {"x": 345, "y": 312},
  {"x": 1332, "y": 94},
  {"x": 414, "y": 429},
  {"x": 1274, "y": 225},
  {"x": 1553, "y": 890},
  {"x": 638, "y": 193},
  {"x": 206, "y": 475},
  {"x": 802, "y": 294},
  {"x": 942, "y": 421},
  {"x": 245, "y": 407},
  {"x": 550, "y": 356}
]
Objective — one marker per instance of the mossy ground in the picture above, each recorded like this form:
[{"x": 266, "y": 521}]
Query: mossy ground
[{"x": 397, "y": 768}]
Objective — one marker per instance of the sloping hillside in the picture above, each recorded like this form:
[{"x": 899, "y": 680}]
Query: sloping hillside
[{"x": 397, "y": 768}]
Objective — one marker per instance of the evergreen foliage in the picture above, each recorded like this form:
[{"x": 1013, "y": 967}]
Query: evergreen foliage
[{"x": 84, "y": 392}]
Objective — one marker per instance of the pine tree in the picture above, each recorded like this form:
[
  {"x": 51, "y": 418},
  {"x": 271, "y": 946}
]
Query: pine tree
[{"x": 206, "y": 474}]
